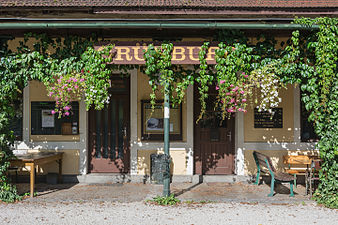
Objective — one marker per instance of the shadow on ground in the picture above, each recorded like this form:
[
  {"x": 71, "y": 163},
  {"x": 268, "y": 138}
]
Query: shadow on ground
[{"x": 134, "y": 192}]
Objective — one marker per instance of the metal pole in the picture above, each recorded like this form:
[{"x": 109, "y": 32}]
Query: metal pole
[{"x": 166, "y": 180}]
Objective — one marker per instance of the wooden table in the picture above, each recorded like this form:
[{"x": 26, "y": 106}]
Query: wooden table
[{"x": 34, "y": 159}]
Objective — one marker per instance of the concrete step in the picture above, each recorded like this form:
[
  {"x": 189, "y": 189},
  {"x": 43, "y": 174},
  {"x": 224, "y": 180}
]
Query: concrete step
[
  {"x": 225, "y": 178},
  {"x": 127, "y": 178}
]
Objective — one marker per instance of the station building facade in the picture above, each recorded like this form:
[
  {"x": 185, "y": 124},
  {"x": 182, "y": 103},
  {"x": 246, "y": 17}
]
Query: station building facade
[{"x": 121, "y": 138}]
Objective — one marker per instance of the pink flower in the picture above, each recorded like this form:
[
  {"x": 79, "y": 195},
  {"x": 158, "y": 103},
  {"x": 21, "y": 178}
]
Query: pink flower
[
  {"x": 242, "y": 92},
  {"x": 243, "y": 73},
  {"x": 244, "y": 110},
  {"x": 59, "y": 80},
  {"x": 53, "y": 88},
  {"x": 50, "y": 93},
  {"x": 69, "y": 89},
  {"x": 228, "y": 93},
  {"x": 81, "y": 80},
  {"x": 240, "y": 109},
  {"x": 222, "y": 81},
  {"x": 217, "y": 88},
  {"x": 66, "y": 108},
  {"x": 232, "y": 100},
  {"x": 231, "y": 85},
  {"x": 76, "y": 87},
  {"x": 69, "y": 80},
  {"x": 246, "y": 75},
  {"x": 53, "y": 112},
  {"x": 67, "y": 113},
  {"x": 243, "y": 100},
  {"x": 235, "y": 89},
  {"x": 74, "y": 79}
]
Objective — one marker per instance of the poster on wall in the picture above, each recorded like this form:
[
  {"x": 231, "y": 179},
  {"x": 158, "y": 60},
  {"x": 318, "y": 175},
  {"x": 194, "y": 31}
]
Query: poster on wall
[
  {"x": 47, "y": 118},
  {"x": 153, "y": 122}
]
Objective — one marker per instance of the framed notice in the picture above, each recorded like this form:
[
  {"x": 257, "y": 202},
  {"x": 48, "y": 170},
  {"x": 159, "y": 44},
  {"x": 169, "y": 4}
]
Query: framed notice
[
  {"x": 152, "y": 123},
  {"x": 265, "y": 119},
  {"x": 47, "y": 118}
]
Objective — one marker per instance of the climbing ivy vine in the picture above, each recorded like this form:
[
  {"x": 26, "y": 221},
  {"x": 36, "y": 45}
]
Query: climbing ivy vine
[
  {"x": 316, "y": 71},
  {"x": 242, "y": 70},
  {"x": 70, "y": 69}
]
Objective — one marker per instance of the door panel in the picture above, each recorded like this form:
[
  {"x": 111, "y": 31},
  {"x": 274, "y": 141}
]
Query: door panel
[
  {"x": 213, "y": 140},
  {"x": 109, "y": 134}
]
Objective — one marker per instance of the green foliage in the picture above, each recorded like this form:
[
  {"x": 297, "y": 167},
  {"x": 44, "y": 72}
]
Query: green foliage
[
  {"x": 162, "y": 73},
  {"x": 8, "y": 193},
  {"x": 205, "y": 78},
  {"x": 318, "y": 76},
  {"x": 232, "y": 65},
  {"x": 166, "y": 200},
  {"x": 46, "y": 61}
]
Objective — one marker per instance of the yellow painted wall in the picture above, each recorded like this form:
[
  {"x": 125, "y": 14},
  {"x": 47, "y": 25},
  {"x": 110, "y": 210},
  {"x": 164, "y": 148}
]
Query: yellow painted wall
[
  {"x": 177, "y": 167},
  {"x": 38, "y": 92},
  {"x": 143, "y": 93},
  {"x": 276, "y": 157},
  {"x": 70, "y": 163},
  {"x": 270, "y": 135}
]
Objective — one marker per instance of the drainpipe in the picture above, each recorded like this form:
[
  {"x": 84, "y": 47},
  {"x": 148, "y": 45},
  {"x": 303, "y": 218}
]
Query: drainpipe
[{"x": 155, "y": 25}]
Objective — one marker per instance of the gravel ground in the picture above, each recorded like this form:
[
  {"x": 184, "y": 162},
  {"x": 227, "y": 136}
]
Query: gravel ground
[{"x": 141, "y": 213}]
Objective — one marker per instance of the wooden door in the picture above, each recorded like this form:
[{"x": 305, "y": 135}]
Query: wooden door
[
  {"x": 109, "y": 132},
  {"x": 213, "y": 140}
]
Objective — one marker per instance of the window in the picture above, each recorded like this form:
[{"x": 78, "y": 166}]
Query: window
[
  {"x": 43, "y": 122},
  {"x": 152, "y": 126},
  {"x": 307, "y": 130},
  {"x": 15, "y": 124}
]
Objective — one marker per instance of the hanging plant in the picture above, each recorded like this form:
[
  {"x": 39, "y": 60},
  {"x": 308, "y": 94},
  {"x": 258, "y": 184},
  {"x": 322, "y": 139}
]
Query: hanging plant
[
  {"x": 204, "y": 80},
  {"x": 159, "y": 69},
  {"x": 67, "y": 88},
  {"x": 264, "y": 86},
  {"x": 90, "y": 84},
  {"x": 232, "y": 66}
]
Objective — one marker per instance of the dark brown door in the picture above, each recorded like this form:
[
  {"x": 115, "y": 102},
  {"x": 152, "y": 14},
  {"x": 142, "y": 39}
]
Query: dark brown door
[
  {"x": 109, "y": 132},
  {"x": 213, "y": 140}
]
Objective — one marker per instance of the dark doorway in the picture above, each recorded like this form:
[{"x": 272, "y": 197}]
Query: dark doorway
[
  {"x": 109, "y": 131},
  {"x": 213, "y": 139}
]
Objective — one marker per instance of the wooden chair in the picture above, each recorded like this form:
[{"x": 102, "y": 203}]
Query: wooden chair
[
  {"x": 264, "y": 164},
  {"x": 313, "y": 174}
]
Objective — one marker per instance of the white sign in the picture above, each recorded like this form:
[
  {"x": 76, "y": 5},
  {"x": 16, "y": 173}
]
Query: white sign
[{"x": 47, "y": 118}]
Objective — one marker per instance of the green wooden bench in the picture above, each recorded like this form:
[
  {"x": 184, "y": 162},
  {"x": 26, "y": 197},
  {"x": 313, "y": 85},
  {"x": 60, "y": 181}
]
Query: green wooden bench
[{"x": 264, "y": 164}]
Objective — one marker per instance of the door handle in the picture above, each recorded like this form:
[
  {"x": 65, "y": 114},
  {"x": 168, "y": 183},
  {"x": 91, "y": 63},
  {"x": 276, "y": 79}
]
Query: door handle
[
  {"x": 124, "y": 131},
  {"x": 229, "y": 135}
]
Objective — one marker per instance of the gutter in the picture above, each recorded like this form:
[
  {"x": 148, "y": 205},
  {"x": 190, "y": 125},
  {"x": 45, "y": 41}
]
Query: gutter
[{"x": 154, "y": 25}]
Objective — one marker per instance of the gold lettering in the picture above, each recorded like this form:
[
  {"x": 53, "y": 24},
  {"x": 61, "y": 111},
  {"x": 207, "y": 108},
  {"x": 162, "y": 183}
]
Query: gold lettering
[
  {"x": 211, "y": 53},
  {"x": 136, "y": 53},
  {"x": 123, "y": 51},
  {"x": 191, "y": 53},
  {"x": 178, "y": 51}
]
